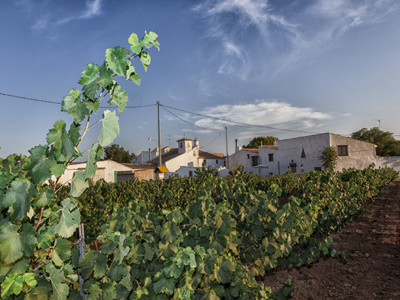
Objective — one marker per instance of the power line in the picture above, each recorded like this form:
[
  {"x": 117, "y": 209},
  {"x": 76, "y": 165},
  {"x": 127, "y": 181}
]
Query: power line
[
  {"x": 212, "y": 140},
  {"x": 183, "y": 120},
  {"x": 59, "y": 103}
]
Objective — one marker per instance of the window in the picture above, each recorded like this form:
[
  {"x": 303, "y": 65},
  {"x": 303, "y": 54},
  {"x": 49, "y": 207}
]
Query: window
[
  {"x": 248, "y": 156},
  {"x": 271, "y": 157},
  {"x": 254, "y": 160},
  {"x": 216, "y": 161},
  {"x": 342, "y": 150},
  {"x": 190, "y": 173},
  {"x": 317, "y": 169},
  {"x": 303, "y": 154},
  {"x": 180, "y": 145}
]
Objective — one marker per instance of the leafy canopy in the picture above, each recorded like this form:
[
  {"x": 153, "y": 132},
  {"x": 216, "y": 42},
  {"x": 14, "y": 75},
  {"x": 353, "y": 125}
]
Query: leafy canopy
[
  {"x": 386, "y": 144},
  {"x": 328, "y": 158},
  {"x": 118, "y": 154},
  {"x": 261, "y": 140}
]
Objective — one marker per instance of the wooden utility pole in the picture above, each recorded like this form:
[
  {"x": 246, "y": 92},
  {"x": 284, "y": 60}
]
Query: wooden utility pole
[
  {"x": 227, "y": 154},
  {"x": 159, "y": 135}
]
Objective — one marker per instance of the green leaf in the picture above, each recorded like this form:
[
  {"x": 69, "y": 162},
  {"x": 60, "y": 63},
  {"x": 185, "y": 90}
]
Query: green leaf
[
  {"x": 45, "y": 239},
  {"x": 93, "y": 261},
  {"x": 89, "y": 80},
  {"x": 73, "y": 105},
  {"x": 110, "y": 128},
  {"x": 57, "y": 279},
  {"x": 40, "y": 164},
  {"x": 134, "y": 41},
  {"x": 118, "y": 271},
  {"x": 152, "y": 37},
  {"x": 15, "y": 244},
  {"x": 224, "y": 272},
  {"x": 61, "y": 252},
  {"x": 78, "y": 184},
  {"x": 12, "y": 285},
  {"x": 18, "y": 196},
  {"x": 29, "y": 279},
  {"x": 106, "y": 76},
  {"x": 145, "y": 59},
  {"x": 74, "y": 132},
  {"x": 95, "y": 154},
  {"x": 62, "y": 144},
  {"x": 164, "y": 286},
  {"x": 58, "y": 169},
  {"x": 119, "y": 97},
  {"x": 69, "y": 219},
  {"x": 106, "y": 291},
  {"x": 115, "y": 58},
  {"x": 45, "y": 197}
]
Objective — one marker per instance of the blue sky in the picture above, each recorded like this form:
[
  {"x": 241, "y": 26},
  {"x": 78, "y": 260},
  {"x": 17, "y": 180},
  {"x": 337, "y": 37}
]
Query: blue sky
[{"x": 308, "y": 66}]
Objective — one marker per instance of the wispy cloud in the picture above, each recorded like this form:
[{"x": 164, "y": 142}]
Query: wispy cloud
[
  {"x": 40, "y": 24},
  {"x": 93, "y": 9},
  {"x": 295, "y": 31}
]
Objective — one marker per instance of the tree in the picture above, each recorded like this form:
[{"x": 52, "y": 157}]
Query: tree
[
  {"x": 118, "y": 154},
  {"x": 264, "y": 140},
  {"x": 386, "y": 144},
  {"x": 328, "y": 158}
]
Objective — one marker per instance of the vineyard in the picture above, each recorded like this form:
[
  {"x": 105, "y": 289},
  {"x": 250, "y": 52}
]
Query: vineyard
[{"x": 194, "y": 238}]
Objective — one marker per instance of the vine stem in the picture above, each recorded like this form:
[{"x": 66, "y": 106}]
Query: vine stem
[{"x": 40, "y": 218}]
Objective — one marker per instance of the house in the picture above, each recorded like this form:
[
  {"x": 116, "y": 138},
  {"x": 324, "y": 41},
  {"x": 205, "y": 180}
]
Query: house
[
  {"x": 112, "y": 171},
  {"x": 187, "y": 158},
  {"x": 146, "y": 156},
  {"x": 302, "y": 154}
]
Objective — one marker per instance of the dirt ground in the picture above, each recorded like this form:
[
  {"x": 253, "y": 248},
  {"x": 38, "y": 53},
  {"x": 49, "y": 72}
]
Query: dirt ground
[{"x": 372, "y": 246}]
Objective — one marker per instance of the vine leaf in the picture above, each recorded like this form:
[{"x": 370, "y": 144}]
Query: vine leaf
[
  {"x": 61, "y": 252},
  {"x": 73, "y": 105},
  {"x": 12, "y": 285},
  {"x": 134, "y": 41},
  {"x": 69, "y": 219},
  {"x": 18, "y": 196},
  {"x": 89, "y": 80},
  {"x": 95, "y": 154},
  {"x": 57, "y": 279},
  {"x": 115, "y": 58},
  {"x": 29, "y": 279},
  {"x": 14, "y": 244},
  {"x": 78, "y": 184},
  {"x": 62, "y": 144},
  {"x": 110, "y": 128},
  {"x": 119, "y": 97},
  {"x": 40, "y": 164},
  {"x": 93, "y": 261}
]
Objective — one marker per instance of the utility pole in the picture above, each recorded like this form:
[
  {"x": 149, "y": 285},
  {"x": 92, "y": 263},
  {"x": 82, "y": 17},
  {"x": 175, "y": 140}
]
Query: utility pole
[
  {"x": 227, "y": 154},
  {"x": 159, "y": 135}
]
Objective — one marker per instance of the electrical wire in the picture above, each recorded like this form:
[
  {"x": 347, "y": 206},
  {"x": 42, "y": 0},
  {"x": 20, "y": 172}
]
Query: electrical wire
[
  {"x": 58, "y": 103},
  {"x": 212, "y": 140}
]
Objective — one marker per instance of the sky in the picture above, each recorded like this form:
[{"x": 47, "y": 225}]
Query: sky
[{"x": 283, "y": 68}]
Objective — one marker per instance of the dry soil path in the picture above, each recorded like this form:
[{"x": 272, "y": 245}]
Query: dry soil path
[{"x": 372, "y": 246}]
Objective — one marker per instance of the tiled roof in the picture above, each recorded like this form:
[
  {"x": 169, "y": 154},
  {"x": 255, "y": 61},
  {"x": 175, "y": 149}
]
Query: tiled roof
[
  {"x": 167, "y": 156},
  {"x": 139, "y": 166},
  {"x": 184, "y": 139},
  {"x": 208, "y": 155},
  {"x": 250, "y": 150},
  {"x": 270, "y": 146}
]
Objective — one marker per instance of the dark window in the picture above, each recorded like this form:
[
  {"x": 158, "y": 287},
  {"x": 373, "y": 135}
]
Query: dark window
[
  {"x": 317, "y": 169},
  {"x": 342, "y": 150},
  {"x": 271, "y": 157},
  {"x": 254, "y": 160},
  {"x": 216, "y": 161},
  {"x": 248, "y": 156},
  {"x": 180, "y": 145},
  {"x": 190, "y": 173}
]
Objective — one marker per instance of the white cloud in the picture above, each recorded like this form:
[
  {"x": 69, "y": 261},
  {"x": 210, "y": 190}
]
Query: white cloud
[
  {"x": 262, "y": 113},
  {"x": 40, "y": 24}
]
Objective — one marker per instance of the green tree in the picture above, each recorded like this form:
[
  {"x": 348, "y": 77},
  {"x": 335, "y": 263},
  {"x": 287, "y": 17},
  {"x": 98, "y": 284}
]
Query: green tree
[
  {"x": 257, "y": 141},
  {"x": 386, "y": 144},
  {"x": 328, "y": 158},
  {"x": 118, "y": 154}
]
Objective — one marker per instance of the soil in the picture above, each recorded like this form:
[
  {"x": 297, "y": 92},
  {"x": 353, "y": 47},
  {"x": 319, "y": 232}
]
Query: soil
[{"x": 372, "y": 247}]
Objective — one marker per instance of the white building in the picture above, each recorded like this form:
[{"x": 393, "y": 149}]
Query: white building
[
  {"x": 302, "y": 154},
  {"x": 187, "y": 158},
  {"x": 146, "y": 156}
]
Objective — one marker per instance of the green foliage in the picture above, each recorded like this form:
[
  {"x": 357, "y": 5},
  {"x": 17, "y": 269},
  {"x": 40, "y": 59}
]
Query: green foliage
[
  {"x": 118, "y": 154},
  {"x": 328, "y": 158},
  {"x": 261, "y": 140},
  {"x": 386, "y": 144},
  {"x": 38, "y": 256}
]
